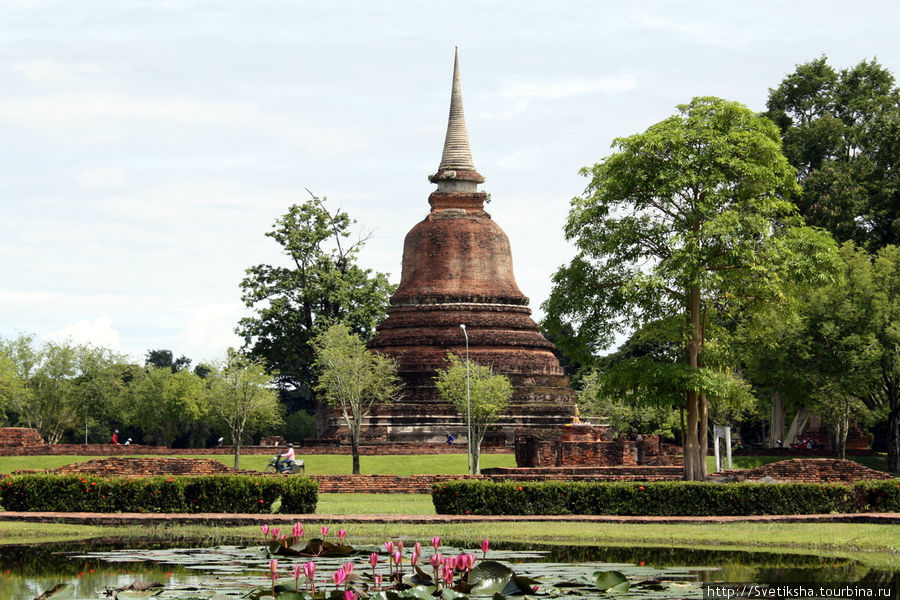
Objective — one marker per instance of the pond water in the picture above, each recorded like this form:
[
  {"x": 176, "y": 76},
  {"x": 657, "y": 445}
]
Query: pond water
[{"x": 89, "y": 569}]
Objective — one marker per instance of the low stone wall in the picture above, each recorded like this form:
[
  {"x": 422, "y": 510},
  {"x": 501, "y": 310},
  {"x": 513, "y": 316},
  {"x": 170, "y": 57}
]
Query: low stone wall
[
  {"x": 123, "y": 450},
  {"x": 148, "y": 467},
  {"x": 809, "y": 470},
  {"x": 17, "y": 437}
]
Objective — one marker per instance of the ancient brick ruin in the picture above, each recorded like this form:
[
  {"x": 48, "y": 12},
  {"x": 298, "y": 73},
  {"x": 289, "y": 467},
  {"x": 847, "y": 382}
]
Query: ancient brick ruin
[
  {"x": 585, "y": 445},
  {"x": 457, "y": 269}
]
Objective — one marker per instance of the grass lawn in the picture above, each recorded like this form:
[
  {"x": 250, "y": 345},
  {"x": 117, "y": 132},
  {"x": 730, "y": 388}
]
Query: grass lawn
[
  {"x": 336, "y": 464},
  {"x": 316, "y": 464},
  {"x": 877, "y": 546}
]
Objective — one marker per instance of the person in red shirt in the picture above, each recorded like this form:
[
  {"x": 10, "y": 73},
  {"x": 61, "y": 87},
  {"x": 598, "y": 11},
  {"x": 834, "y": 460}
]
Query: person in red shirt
[{"x": 115, "y": 437}]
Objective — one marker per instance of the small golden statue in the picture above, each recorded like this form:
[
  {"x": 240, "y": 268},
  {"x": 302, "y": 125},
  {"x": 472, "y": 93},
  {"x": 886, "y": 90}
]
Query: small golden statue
[{"x": 577, "y": 419}]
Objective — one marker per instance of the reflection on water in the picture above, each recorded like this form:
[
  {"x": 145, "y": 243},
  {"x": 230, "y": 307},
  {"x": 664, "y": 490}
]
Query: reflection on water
[{"x": 28, "y": 571}]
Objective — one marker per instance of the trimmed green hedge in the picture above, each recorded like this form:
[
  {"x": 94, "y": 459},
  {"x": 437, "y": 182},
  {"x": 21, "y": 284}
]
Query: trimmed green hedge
[
  {"x": 666, "y": 498},
  {"x": 188, "y": 494}
]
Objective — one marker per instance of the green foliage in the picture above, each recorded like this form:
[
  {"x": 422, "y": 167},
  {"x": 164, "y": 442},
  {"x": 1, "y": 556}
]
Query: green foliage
[
  {"x": 54, "y": 386},
  {"x": 621, "y": 416},
  {"x": 478, "y": 395},
  {"x": 692, "y": 217},
  {"x": 661, "y": 498},
  {"x": 840, "y": 131},
  {"x": 165, "y": 403},
  {"x": 321, "y": 285},
  {"x": 352, "y": 378},
  {"x": 196, "y": 494},
  {"x": 846, "y": 344},
  {"x": 240, "y": 399}
]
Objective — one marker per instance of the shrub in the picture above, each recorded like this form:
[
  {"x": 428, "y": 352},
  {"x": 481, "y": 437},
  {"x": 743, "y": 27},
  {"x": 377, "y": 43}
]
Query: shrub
[
  {"x": 662, "y": 498},
  {"x": 189, "y": 494}
]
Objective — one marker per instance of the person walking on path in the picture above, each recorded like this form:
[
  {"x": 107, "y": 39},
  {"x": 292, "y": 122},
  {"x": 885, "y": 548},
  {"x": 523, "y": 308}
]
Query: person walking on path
[{"x": 115, "y": 438}]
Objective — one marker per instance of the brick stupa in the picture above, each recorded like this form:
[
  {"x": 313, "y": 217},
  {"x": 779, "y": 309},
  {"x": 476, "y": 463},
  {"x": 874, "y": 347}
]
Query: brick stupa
[{"x": 458, "y": 269}]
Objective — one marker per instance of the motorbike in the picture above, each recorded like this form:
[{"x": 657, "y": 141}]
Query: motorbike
[{"x": 290, "y": 467}]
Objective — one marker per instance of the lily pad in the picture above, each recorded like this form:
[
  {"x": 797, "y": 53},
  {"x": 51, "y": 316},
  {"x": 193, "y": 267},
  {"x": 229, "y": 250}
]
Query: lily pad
[
  {"x": 489, "y": 577},
  {"x": 613, "y": 582}
]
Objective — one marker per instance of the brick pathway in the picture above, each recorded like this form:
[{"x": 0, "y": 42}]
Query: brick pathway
[{"x": 252, "y": 519}]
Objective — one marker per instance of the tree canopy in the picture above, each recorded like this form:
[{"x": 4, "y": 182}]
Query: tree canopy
[
  {"x": 841, "y": 131},
  {"x": 478, "y": 394},
  {"x": 321, "y": 284},
  {"x": 353, "y": 378},
  {"x": 692, "y": 217}
]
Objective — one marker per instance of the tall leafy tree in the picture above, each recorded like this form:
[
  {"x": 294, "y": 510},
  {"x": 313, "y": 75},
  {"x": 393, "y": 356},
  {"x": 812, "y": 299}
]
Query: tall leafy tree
[
  {"x": 479, "y": 395},
  {"x": 165, "y": 404},
  {"x": 688, "y": 218},
  {"x": 241, "y": 399},
  {"x": 353, "y": 378},
  {"x": 846, "y": 345},
  {"x": 320, "y": 284},
  {"x": 60, "y": 385},
  {"x": 841, "y": 131}
]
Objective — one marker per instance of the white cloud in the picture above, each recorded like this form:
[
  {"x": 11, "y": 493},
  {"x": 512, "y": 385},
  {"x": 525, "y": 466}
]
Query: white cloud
[
  {"x": 98, "y": 332},
  {"x": 211, "y": 329},
  {"x": 101, "y": 178},
  {"x": 565, "y": 89},
  {"x": 52, "y": 71}
]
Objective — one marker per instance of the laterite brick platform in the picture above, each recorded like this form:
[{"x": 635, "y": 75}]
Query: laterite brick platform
[{"x": 809, "y": 470}]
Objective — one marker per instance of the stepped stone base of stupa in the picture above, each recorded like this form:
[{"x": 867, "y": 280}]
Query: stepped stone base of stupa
[{"x": 538, "y": 403}]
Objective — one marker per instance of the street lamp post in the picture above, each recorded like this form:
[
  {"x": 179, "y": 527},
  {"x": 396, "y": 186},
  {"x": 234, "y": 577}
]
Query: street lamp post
[{"x": 468, "y": 402}]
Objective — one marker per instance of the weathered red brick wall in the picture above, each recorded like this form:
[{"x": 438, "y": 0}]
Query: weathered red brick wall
[
  {"x": 19, "y": 437},
  {"x": 145, "y": 467},
  {"x": 810, "y": 470},
  {"x": 559, "y": 449},
  {"x": 111, "y": 449}
]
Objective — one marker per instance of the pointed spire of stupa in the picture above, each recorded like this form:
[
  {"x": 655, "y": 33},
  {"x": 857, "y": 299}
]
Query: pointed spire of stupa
[{"x": 456, "y": 160}]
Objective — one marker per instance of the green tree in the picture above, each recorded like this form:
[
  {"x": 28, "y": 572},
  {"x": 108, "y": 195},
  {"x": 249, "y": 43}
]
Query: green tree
[
  {"x": 688, "y": 218},
  {"x": 841, "y": 131},
  {"x": 847, "y": 344},
  {"x": 320, "y": 285},
  {"x": 165, "y": 404},
  {"x": 478, "y": 395},
  {"x": 165, "y": 358},
  {"x": 352, "y": 378},
  {"x": 241, "y": 400},
  {"x": 59, "y": 385}
]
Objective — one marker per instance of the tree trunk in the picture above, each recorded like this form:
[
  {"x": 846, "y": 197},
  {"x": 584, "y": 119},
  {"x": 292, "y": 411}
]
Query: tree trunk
[
  {"x": 477, "y": 437},
  {"x": 693, "y": 470},
  {"x": 354, "y": 445},
  {"x": 237, "y": 456},
  {"x": 893, "y": 449},
  {"x": 776, "y": 432},
  {"x": 704, "y": 435},
  {"x": 841, "y": 426}
]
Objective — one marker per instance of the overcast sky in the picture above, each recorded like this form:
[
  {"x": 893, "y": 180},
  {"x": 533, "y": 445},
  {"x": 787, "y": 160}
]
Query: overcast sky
[{"x": 146, "y": 147}]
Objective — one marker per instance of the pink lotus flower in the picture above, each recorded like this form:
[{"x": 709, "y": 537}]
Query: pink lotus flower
[
  {"x": 273, "y": 568},
  {"x": 324, "y": 531},
  {"x": 377, "y": 579},
  {"x": 417, "y": 548},
  {"x": 309, "y": 569},
  {"x": 339, "y": 577},
  {"x": 485, "y": 546},
  {"x": 341, "y": 534},
  {"x": 470, "y": 561},
  {"x": 447, "y": 575},
  {"x": 348, "y": 568},
  {"x": 436, "y": 542},
  {"x": 275, "y": 532},
  {"x": 398, "y": 558},
  {"x": 435, "y": 560},
  {"x": 449, "y": 561},
  {"x": 389, "y": 546},
  {"x": 297, "y": 570},
  {"x": 265, "y": 529},
  {"x": 349, "y": 595},
  {"x": 297, "y": 530},
  {"x": 373, "y": 559},
  {"x": 414, "y": 559},
  {"x": 400, "y": 545},
  {"x": 461, "y": 562}
]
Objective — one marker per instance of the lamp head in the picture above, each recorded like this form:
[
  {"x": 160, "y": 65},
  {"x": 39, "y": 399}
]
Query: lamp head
[{"x": 462, "y": 326}]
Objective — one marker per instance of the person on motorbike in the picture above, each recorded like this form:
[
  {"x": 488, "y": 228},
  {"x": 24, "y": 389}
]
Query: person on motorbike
[{"x": 284, "y": 461}]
